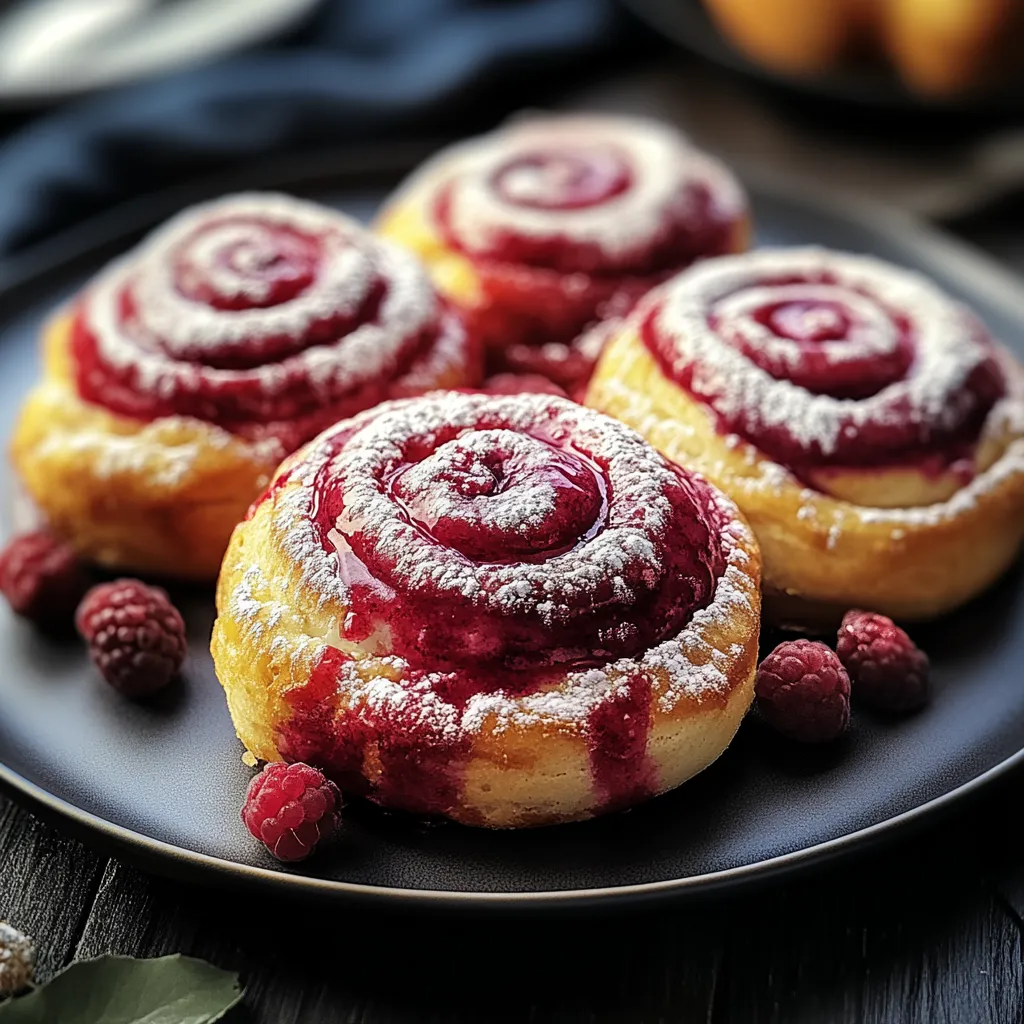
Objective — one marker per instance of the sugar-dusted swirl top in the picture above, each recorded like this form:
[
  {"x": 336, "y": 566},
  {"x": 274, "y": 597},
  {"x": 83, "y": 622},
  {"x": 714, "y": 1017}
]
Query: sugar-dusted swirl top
[
  {"x": 821, "y": 358},
  {"x": 264, "y": 314},
  {"x": 551, "y": 224},
  {"x": 472, "y": 532},
  {"x": 589, "y": 194}
]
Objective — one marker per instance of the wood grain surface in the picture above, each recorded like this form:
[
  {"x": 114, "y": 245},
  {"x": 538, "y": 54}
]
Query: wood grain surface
[{"x": 928, "y": 931}]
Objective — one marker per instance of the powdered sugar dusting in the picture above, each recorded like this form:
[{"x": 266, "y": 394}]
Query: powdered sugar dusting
[
  {"x": 870, "y": 331},
  {"x": 169, "y": 334},
  {"x": 930, "y": 393},
  {"x": 634, "y": 468},
  {"x": 1005, "y": 420},
  {"x": 513, "y": 512},
  {"x": 570, "y": 704},
  {"x": 374, "y": 440},
  {"x": 1009, "y": 465},
  {"x": 661, "y": 163},
  {"x": 154, "y": 452}
]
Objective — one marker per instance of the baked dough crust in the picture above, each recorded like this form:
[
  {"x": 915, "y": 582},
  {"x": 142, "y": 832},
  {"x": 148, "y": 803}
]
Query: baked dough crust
[
  {"x": 159, "y": 497},
  {"x": 154, "y": 497}
]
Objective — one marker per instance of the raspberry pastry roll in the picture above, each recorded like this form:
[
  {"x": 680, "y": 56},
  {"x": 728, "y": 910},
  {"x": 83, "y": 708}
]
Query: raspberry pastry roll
[
  {"x": 507, "y": 610},
  {"x": 548, "y": 225},
  {"x": 867, "y": 425},
  {"x": 180, "y": 377}
]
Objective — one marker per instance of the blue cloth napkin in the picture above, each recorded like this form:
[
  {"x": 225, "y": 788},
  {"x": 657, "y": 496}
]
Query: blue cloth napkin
[{"x": 362, "y": 70}]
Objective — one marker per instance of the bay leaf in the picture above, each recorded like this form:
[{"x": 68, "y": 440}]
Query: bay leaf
[{"x": 123, "y": 990}]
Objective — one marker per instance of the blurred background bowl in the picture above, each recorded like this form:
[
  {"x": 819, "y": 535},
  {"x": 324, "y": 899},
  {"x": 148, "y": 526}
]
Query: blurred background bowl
[{"x": 868, "y": 83}]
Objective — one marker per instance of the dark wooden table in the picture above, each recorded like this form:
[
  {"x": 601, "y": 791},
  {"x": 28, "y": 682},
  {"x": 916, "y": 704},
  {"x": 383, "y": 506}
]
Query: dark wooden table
[{"x": 929, "y": 930}]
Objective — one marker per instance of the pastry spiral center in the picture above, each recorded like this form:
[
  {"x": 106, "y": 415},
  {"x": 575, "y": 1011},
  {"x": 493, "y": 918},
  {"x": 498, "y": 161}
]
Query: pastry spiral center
[
  {"x": 246, "y": 264},
  {"x": 806, "y": 321},
  {"x": 824, "y": 338},
  {"x": 265, "y": 315},
  {"x": 516, "y": 533},
  {"x": 594, "y": 196},
  {"x": 495, "y": 494},
  {"x": 827, "y": 359},
  {"x": 562, "y": 179}
]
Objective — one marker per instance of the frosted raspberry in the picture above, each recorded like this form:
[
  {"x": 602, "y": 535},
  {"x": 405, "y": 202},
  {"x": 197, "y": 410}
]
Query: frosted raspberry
[
  {"x": 291, "y": 809},
  {"x": 804, "y": 691},
  {"x": 42, "y": 579},
  {"x": 17, "y": 959},
  {"x": 136, "y": 636},
  {"x": 887, "y": 668}
]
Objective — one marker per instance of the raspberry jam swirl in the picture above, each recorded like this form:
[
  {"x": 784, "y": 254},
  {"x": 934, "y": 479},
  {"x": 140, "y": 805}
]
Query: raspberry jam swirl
[
  {"x": 492, "y": 546},
  {"x": 823, "y": 359},
  {"x": 265, "y": 315},
  {"x": 568, "y": 221}
]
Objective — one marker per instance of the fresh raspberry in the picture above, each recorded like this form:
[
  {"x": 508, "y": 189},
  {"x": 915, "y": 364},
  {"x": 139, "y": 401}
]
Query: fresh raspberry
[
  {"x": 521, "y": 384},
  {"x": 42, "y": 579},
  {"x": 888, "y": 669},
  {"x": 136, "y": 636},
  {"x": 804, "y": 691},
  {"x": 291, "y": 808}
]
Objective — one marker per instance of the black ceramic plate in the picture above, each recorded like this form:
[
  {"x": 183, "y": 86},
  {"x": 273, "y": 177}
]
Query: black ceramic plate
[
  {"x": 164, "y": 781},
  {"x": 688, "y": 24}
]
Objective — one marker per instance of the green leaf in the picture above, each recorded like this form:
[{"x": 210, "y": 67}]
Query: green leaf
[{"x": 122, "y": 990}]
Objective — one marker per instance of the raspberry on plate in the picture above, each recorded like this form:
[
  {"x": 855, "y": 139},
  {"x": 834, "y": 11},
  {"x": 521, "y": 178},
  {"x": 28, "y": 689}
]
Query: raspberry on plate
[
  {"x": 803, "y": 691},
  {"x": 136, "y": 637},
  {"x": 291, "y": 809},
  {"x": 42, "y": 579},
  {"x": 888, "y": 669}
]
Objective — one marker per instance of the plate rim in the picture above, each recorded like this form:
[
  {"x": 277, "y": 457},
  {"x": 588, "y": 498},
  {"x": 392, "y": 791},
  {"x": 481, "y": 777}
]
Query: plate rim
[
  {"x": 978, "y": 271},
  {"x": 286, "y": 883}
]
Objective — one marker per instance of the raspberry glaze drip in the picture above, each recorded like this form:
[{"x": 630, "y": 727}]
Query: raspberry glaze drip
[
  {"x": 824, "y": 359},
  {"x": 491, "y": 546},
  {"x": 262, "y": 314},
  {"x": 570, "y": 221}
]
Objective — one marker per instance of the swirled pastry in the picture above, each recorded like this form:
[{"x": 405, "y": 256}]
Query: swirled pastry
[
  {"x": 867, "y": 425},
  {"x": 506, "y": 610},
  {"x": 548, "y": 225},
  {"x": 180, "y": 377}
]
